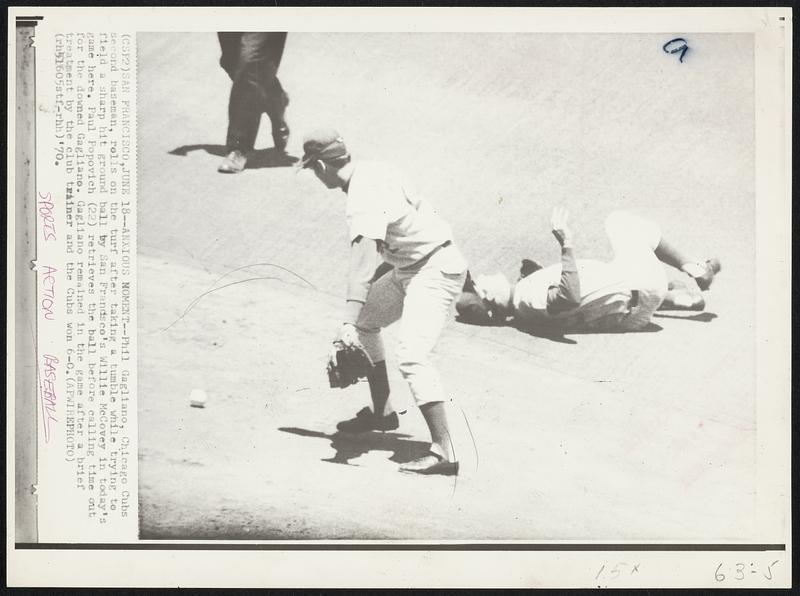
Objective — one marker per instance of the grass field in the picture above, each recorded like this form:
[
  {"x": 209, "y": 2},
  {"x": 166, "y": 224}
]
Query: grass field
[{"x": 646, "y": 436}]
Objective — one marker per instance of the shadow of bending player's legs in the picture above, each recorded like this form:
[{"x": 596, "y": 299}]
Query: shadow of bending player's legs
[{"x": 350, "y": 447}]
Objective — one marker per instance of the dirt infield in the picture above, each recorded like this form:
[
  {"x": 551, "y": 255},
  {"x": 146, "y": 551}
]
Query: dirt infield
[{"x": 608, "y": 436}]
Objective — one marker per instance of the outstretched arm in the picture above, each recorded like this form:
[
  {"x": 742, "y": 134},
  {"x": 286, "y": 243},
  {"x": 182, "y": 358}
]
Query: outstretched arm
[{"x": 567, "y": 294}]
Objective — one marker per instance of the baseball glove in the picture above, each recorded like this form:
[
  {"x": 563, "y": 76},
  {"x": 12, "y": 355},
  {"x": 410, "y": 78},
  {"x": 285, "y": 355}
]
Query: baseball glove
[{"x": 350, "y": 364}]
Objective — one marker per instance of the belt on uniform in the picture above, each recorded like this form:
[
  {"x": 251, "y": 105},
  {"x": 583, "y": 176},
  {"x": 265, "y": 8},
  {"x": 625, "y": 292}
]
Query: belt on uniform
[{"x": 426, "y": 258}]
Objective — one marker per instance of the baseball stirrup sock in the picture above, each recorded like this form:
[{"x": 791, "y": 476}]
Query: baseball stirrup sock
[
  {"x": 436, "y": 417},
  {"x": 666, "y": 253},
  {"x": 378, "y": 381}
]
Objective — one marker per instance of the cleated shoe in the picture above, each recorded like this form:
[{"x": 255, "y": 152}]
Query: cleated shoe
[
  {"x": 431, "y": 464},
  {"x": 366, "y": 421},
  {"x": 234, "y": 163},
  {"x": 713, "y": 266}
]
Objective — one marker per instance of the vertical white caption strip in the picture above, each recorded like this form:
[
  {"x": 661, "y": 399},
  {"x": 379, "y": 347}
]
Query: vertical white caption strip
[{"x": 86, "y": 298}]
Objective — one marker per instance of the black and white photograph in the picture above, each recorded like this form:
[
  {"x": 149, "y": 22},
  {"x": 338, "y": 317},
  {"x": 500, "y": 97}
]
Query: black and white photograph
[
  {"x": 401, "y": 297},
  {"x": 543, "y": 244}
]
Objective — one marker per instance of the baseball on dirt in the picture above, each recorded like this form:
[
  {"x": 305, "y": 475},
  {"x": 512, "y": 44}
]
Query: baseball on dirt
[{"x": 198, "y": 398}]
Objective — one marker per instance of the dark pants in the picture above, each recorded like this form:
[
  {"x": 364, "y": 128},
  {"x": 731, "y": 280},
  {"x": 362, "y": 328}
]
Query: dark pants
[{"x": 251, "y": 61}]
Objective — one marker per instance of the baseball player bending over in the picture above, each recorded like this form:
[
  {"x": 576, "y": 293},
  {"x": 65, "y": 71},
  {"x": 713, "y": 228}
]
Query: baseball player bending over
[
  {"x": 591, "y": 295},
  {"x": 421, "y": 275}
]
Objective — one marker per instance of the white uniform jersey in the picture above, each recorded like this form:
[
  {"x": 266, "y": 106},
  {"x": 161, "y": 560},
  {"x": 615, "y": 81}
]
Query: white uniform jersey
[
  {"x": 382, "y": 205},
  {"x": 606, "y": 294}
]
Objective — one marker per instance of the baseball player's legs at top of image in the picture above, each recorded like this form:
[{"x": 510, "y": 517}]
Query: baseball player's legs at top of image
[
  {"x": 251, "y": 61},
  {"x": 591, "y": 295},
  {"x": 421, "y": 275}
]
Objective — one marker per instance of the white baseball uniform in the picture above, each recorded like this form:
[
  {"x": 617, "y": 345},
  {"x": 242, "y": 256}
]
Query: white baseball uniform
[
  {"x": 621, "y": 295},
  {"x": 428, "y": 274}
]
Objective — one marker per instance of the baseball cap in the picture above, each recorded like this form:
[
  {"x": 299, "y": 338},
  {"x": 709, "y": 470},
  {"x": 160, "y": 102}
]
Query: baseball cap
[
  {"x": 472, "y": 310},
  {"x": 323, "y": 144},
  {"x": 470, "y": 307}
]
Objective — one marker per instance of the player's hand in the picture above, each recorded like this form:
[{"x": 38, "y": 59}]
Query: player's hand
[
  {"x": 348, "y": 335},
  {"x": 331, "y": 358},
  {"x": 558, "y": 223}
]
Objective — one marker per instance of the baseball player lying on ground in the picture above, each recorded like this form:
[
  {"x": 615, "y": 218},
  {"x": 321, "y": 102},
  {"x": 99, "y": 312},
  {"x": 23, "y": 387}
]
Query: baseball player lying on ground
[
  {"x": 591, "y": 295},
  {"x": 421, "y": 275}
]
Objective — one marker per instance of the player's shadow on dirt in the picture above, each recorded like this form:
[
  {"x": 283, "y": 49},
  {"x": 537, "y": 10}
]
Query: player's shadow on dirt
[
  {"x": 556, "y": 336},
  {"x": 260, "y": 158},
  {"x": 702, "y": 317},
  {"x": 350, "y": 447},
  {"x": 561, "y": 336}
]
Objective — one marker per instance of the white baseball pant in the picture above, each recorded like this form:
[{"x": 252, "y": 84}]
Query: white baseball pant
[
  {"x": 420, "y": 299},
  {"x": 634, "y": 240}
]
